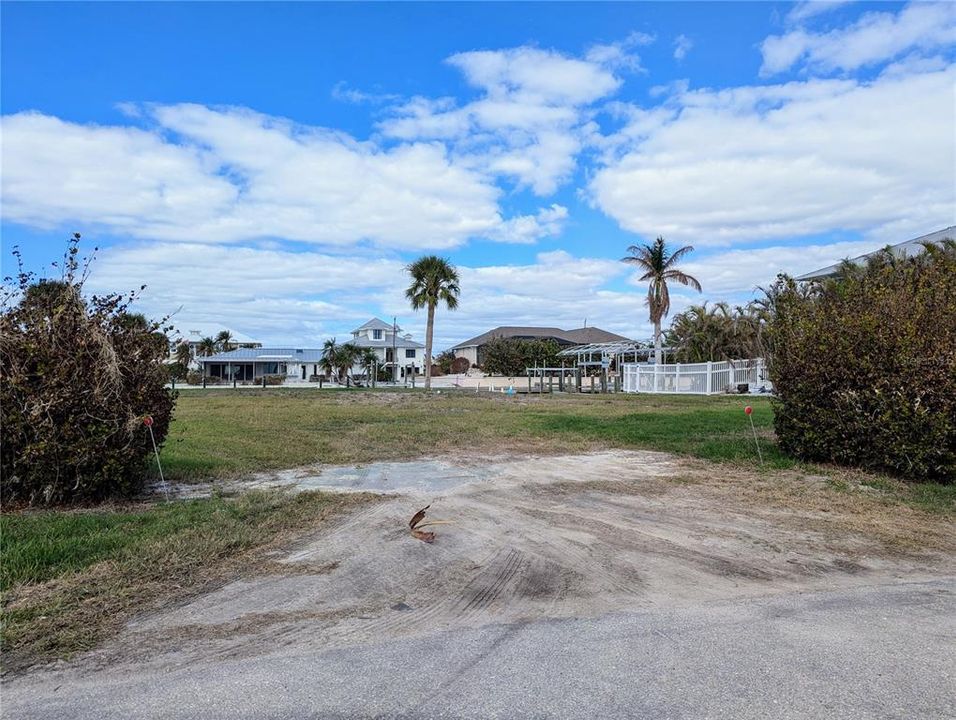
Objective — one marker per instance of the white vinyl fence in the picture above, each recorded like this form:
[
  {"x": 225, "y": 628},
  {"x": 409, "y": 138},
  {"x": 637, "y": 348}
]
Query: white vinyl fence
[{"x": 695, "y": 378}]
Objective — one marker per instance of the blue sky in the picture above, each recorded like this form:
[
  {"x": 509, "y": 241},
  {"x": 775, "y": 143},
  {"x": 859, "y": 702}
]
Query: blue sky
[{"x": 270, "y": 168}]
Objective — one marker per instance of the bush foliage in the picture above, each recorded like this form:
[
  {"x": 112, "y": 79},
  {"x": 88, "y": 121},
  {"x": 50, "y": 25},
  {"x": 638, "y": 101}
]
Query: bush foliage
[
  {"x": 511, "y": 356},
  {"x": 79, "y": 376},
  {"x": 865, "y": 365}
]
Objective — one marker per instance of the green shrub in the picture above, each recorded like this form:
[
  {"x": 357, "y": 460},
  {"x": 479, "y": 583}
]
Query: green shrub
[
  {"x": 864, "y": 366},
  {"x": 274, "y": 379},
  {"x": 512, "y": 356},
  {"x": 79, "y": 376},
  {"x": 194, "y": 377},
  {"x": 176, "y": 371}
]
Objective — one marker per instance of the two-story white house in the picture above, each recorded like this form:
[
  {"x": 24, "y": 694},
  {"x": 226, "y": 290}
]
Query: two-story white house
[{"x": 398, "y": 352}]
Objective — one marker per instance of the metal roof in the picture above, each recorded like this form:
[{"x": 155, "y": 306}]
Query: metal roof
[
  {"x": 909, "y": 247},
  {"x": 308, "y": 355},
  {"x": 399, "y": 342},
  {"x": 607, "y": 348}
]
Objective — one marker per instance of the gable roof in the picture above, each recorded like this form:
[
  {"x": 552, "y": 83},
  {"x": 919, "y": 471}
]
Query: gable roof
[
  {"x": 374, "y": 324},
  {"x": 580, "y": 336},
  {"x": 908, "y": 247}
]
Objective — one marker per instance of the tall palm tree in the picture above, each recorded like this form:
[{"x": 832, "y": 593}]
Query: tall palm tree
[
  {"x": 224, "y": 340},
  {"x": 206, "y": 347},
  {"x": 330, "y": 359},
  {"x": 659, "y": 266},
  {"x": 434, "y": 280}
]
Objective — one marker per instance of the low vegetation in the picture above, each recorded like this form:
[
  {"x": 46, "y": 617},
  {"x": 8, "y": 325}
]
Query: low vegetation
[
  {"x": 222, "y": 434},
  {"x": 865, "y": 366},
  {"x": 70, "y": 579}
]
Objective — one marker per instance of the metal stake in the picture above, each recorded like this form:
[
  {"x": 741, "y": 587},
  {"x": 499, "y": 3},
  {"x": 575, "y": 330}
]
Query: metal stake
[{"x": 149, "y": 424}]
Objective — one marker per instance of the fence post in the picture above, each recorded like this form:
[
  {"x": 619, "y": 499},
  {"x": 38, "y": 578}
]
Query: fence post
[
  {"x": 710, "y": 377},
  {"x": 529, "y": 383}
]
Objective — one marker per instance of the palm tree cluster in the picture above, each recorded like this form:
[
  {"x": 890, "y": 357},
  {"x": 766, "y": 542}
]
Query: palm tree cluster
[
  {"x": 719, "y": 332},
  {"x": 338, "y": 360},
  {"x": 659, "y": 266}
]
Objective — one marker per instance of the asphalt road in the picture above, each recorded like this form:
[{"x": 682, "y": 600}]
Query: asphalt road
[{"x": 873, "y": 652}]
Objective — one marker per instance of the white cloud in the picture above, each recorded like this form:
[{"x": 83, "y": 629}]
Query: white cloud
[
  {"x": 620, "y": 54},
  {"x": 228, "y": 175},
  {"x": 531, "y": 119},
  {"x": 876, "y": 37},
  {"x": 733, "y": 275},
  {"x": 302, "y": 298},
  {"x": 682, "y": 46},
  {"x": 751, "y": 163},
  {"x": 807, "y": 9}
]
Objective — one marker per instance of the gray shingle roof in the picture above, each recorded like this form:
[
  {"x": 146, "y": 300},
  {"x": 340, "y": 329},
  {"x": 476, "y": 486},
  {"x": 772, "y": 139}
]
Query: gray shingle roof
[
  {"x": 909, "y": 247},
  {"x": 580, "y": 336}
]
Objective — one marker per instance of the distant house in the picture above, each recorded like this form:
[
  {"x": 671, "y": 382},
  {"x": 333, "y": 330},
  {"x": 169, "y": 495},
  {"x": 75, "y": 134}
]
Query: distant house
[
  {"x": 396, "y": 351},
  {"x": 900, "y": 250},
  {"x": 473, "y": 349},
  {"x": 299, "y": 364}
]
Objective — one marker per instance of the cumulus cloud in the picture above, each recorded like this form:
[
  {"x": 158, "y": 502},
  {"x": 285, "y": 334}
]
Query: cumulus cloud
[
  {"x": 302, "y": 298},
  {"x": 875, "y": 38},
  {"x": 228, "y": 175},
  {"x": 530, "y": 120},
  {"x": 754, "y": 163}
]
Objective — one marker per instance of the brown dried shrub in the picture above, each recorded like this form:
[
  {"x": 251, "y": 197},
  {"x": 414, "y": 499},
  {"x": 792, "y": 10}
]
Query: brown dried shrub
[{"x": 79, "y": 376}]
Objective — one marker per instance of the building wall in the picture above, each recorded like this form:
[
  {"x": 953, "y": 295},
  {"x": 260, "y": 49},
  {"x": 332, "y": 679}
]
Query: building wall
[{"x": 470, "y": 353}]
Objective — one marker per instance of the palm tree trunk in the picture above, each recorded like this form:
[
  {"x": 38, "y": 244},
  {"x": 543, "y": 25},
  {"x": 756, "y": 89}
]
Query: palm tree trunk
[
  {"x": 429, "y": 328},
  {"x": 658, "y": 350}
]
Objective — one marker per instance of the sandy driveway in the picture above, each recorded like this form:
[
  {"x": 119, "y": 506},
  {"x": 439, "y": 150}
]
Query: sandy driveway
[{"x": 531, "y": 540}]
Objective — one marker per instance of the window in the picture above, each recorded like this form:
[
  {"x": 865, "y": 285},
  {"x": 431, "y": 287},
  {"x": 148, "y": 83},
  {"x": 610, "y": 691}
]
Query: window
[
  {"x": 376, "y": 334},
  {"x": 410, "y": 353}
]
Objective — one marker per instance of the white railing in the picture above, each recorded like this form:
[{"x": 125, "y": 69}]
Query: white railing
[{"x": 695, "y": 378}]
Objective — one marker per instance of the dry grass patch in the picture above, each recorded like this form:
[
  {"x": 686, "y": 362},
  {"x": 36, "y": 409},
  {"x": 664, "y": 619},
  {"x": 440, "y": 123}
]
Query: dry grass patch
[{"x": 53, "y": 609}]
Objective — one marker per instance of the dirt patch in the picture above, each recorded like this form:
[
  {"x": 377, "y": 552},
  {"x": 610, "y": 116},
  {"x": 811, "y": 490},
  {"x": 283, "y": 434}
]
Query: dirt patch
[{"x": 565, "y": 536}]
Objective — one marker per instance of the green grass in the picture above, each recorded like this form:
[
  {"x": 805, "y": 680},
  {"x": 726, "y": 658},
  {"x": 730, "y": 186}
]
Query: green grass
[
  {"x": 225, "y": 433},
  {"x": 72, "y": 578}
]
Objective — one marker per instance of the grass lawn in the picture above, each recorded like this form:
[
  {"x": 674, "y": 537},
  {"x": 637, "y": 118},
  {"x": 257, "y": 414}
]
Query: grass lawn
[
  {"x": 225, "y": 433},
  {"x": 69, "y": 579}
]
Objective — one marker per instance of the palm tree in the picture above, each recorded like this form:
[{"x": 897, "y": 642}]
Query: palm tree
[
  {"x": 368, "y": 359},
  {"x": 330, "y": 359},
  {"x": 184, "y": 354},
  {"x": 434, "y": 279},
  {"x": 346, "y": 357},
  {"x": 206, "y": 347},
  {"x": 659, "y": 266},
  {"x": 224, "y": 340}
]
